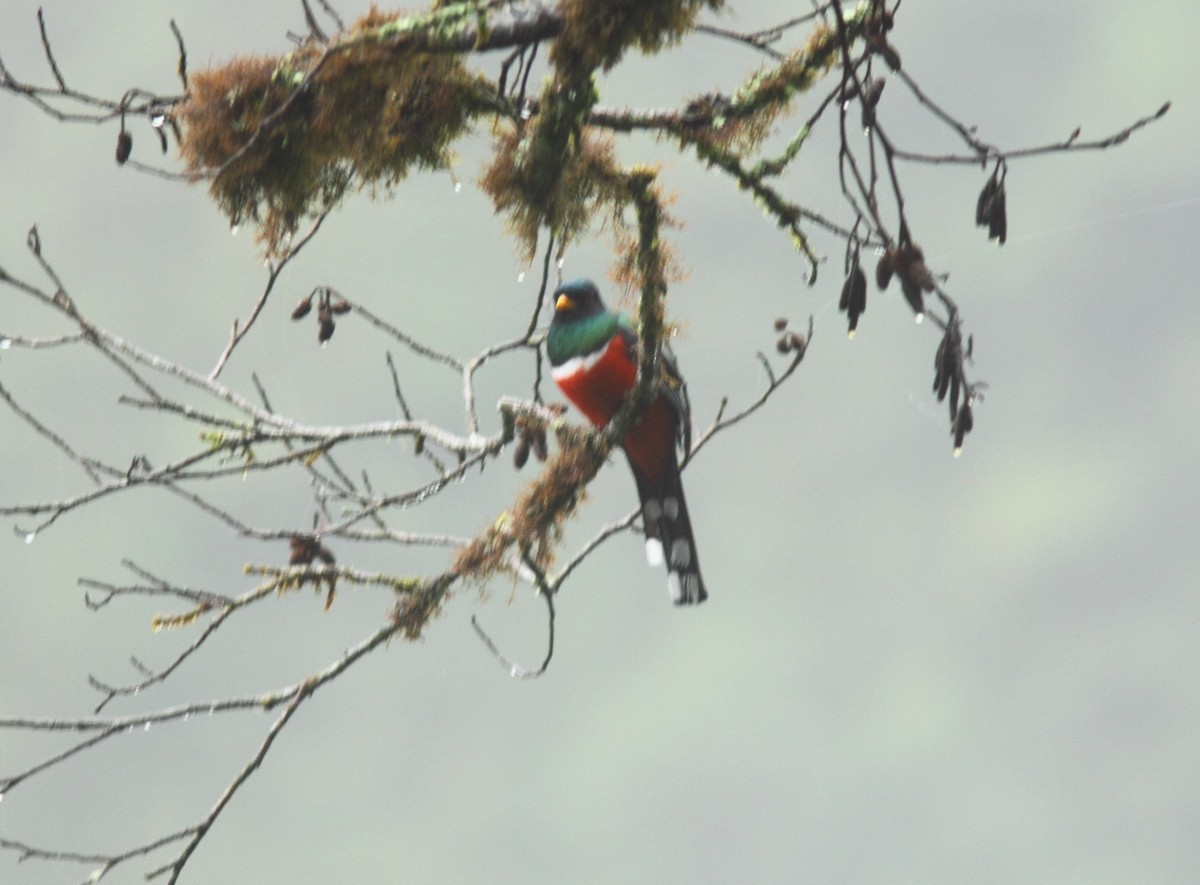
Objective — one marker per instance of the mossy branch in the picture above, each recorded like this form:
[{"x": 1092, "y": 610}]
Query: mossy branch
[{"x": 533, "y": 527}]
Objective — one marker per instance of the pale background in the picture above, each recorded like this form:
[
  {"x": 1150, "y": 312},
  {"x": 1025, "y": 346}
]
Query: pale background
[{"x": 912, "y": 669}]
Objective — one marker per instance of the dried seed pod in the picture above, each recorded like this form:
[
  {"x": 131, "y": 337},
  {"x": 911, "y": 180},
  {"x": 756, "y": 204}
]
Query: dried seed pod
[
  {"x": 983, "y": 206},
  {"x": 124, "y": 147},
  {"x": 871, "y": 93},
  {"x": 323, "y": 553},
  {"x": 914, "y": 276},
  {"x": 879, "y": 22},
  {"x": 913, "y": 295},
  {"x": 781, "y": 324},
  {"x": 991, "y": 208},
  {"x": 325, "y": 332},
  {"x": 879, "y": 44},
  {"x": 302, "y": 551},
  {"x": 854, "y": 295},
  {"x": 521, "y": 452},
  {"x": 538, "y": 438},
  {"x": 908, "y": 286},
  {"x": 998, "y": 221},
  {"x": 919, "y": 272},
  {"x": 884, "y": 269},
  {"x": 962, "y": 426},
  {"x": 302, "y": 309},
  {"x": 951, "y": 358},
  {"x": 784, "y": 344},
  {"x": 941, "y": 382},
  {"x": 340, "y": 306},
  {"x": 797, "y": 342}
]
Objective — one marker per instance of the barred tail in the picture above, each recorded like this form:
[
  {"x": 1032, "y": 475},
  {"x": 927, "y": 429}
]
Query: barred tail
[{"x": 669, "y": 536}]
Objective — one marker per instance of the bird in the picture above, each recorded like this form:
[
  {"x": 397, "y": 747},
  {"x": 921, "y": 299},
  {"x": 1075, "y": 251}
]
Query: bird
[{"x": 593, "y": 354}]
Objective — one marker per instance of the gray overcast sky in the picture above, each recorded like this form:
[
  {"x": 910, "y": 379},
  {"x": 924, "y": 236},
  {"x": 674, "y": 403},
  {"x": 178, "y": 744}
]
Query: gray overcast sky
[{"x": 911, "y": 669}]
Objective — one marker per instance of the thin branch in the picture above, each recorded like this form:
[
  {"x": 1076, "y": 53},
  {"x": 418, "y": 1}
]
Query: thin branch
[
  {"x": 516, "y": 671},
  {"x": 200, "y": 830},
  {"x": 46, "y": 433},
  {"x": 1070, "y": 143},
  {"x": 276, "y": 268},
  {"x": 181, "y": 68},
  {"x": 58, "y": 77}
]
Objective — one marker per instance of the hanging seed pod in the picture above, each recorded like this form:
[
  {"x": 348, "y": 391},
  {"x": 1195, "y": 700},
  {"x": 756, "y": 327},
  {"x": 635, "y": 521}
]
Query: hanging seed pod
[
  {"x": 340, "y": 306},
  {"x": 915, "y": 278},
  {"x": 325, "y": 332},
  {"x": 962, "y": 426},
  {"x": 521, "y": 451},
  {"x": 941, "y": 380},
  {"x": 954, "y": 391},
  {"x": 948, "y": 366},
  {"x": 912, "y": 294},
  {"x": 998, "y": 221},
  {"x": 884, "y": 269},
  {"x": 301, "y": 310},
  {"x": 781, "y": 324},
  {"x": 854, "y": 294},
  {"x": 880, "y": 22},
  {"x": 983, "y": 206},
  {"x": 882, "y": 47},
  {"x": 990, "y": 209},
  {"x": 871, "y": 93},
  {"x": 124, "y": 147},
  {"x": 323, "y": 553},
  {"x": 784, "y": 344},
  {"x": 303, "y": 551},
  {"x": 538, "y": 438}
]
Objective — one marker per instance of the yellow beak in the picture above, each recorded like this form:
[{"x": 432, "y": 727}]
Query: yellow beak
[{"x": 564, "y": 302}]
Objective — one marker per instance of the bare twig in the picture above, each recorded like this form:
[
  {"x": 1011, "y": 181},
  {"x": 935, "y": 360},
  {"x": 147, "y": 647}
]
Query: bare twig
[
  {"x": 275, "y": 269},
  {"x": 516, "y": 671}
]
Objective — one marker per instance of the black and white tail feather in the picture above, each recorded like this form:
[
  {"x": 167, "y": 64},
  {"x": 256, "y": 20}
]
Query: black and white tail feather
[
  {"x": 669, "y": 539},
  {"x": 665, "y": 517}
]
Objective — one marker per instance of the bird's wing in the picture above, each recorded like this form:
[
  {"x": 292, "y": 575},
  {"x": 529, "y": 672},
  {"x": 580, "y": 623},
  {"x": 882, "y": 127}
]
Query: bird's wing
[{"x": 670, "y": 383}]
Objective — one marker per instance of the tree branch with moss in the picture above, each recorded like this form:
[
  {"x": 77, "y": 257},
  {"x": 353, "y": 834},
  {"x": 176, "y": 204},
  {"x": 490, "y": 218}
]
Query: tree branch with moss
[{"x": 281, "y": 142}]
